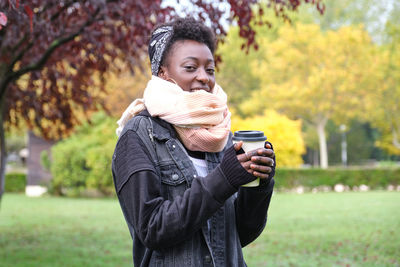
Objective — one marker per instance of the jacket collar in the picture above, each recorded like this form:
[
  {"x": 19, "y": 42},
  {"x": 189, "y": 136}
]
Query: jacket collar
[{"x": 162, "y": 130}]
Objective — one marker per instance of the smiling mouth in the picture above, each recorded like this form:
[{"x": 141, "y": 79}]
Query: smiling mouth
[{"x": 200, "y": 89}]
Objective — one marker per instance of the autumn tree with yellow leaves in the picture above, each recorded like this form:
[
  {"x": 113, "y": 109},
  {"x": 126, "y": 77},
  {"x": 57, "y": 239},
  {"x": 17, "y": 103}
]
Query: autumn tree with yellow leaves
[
  {"x": 314, "y": 76},
  {"x": 382, "y": 105},
  {"x": 123, "y": 88}
]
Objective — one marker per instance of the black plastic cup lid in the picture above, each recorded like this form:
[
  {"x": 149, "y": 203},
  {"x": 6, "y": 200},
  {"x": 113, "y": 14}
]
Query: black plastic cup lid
[{"x": 251, "y": 136}]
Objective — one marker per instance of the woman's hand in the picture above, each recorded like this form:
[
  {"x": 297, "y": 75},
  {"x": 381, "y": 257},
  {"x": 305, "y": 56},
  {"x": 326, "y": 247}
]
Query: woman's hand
[{"x": 258, "y": 162}]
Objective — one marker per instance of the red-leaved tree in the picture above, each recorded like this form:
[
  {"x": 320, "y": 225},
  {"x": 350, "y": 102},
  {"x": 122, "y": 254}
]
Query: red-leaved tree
[{"x": 54, "y": 53}]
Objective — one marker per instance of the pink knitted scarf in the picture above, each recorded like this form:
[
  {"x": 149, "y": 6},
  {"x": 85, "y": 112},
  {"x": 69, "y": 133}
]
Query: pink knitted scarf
[{"x": 201, "y": 119}]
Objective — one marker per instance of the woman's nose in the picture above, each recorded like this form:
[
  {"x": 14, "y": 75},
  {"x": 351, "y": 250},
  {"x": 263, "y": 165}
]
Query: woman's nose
[{"x": 202, "y": 76}]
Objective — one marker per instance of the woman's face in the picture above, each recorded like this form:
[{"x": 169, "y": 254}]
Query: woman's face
[{"x": 191, "y": 65}]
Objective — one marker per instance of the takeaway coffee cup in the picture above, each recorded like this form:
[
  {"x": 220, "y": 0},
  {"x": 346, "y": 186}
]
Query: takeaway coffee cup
[{"x": 251, "y": 140}]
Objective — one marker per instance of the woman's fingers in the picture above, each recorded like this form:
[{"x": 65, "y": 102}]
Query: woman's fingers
[
  {"x": 258, "y": 170},
  {"x": 261, "y": 152},
  {"x": 260, "y": 156},
  {"x": 260, "y": 175},
  {"x": 237, "y": 146},
  {"x": 265, "y": 152},
  {"x": 246, "y": 165},
  {"x": 244, "y": 157},
  {"x": 267, "y": 161},
  {"x": 258, "y": 162},
  {"x": 261, "y": 168}
]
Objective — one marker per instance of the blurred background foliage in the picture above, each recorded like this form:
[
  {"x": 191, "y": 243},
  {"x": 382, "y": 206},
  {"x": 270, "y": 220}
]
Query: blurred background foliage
[
  {"x": 82, "y": 162},
  {"x": 305, "y": 80},
  {"x": 341, "y": 68}
]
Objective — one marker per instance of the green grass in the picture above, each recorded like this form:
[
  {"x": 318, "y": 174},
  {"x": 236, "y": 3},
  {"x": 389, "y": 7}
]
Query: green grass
[
  {"x": 52, "y": 231},
  {"x": 330, "y": 229},
  {"x": 325, "y": 229}
]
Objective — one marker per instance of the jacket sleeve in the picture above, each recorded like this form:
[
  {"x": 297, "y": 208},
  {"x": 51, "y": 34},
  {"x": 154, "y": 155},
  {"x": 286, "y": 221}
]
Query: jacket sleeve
[
  {"x": 159, "y": 222},
  {"x": 251, "y": 207}
]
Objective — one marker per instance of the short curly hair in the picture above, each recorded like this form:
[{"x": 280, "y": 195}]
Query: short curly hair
[{"x": 188, "y": 29}]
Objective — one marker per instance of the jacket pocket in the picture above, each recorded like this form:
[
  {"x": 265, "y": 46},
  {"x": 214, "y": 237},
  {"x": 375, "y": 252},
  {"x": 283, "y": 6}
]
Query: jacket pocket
[{"x": 173, "y": 182}]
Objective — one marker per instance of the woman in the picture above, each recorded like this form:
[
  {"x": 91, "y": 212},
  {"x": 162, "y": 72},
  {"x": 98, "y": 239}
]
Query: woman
[{"x": 177, "y": 175}]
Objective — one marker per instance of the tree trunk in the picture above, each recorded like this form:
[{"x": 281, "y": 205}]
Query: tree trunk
[
  {"x": 395, "y": 140},
  {"x": 315, "y": 158},
  {"x": 323, "y": 151},
  {"x": 3, "y": 154}
]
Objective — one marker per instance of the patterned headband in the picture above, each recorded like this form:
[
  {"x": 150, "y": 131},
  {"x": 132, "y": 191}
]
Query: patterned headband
[{"x": 158, "y": 42}]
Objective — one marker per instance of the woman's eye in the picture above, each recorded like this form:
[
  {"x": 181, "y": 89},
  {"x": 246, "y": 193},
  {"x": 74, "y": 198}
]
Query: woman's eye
[
  {"x": 190, "y": 68},
  {"x": 210, "y": 71}
]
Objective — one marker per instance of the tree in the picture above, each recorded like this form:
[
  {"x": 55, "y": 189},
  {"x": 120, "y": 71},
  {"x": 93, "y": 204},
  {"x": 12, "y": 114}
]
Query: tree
[
  {"x": 359, "y": 139},
  {"x": 68, "y": 42},
  {"x": 122, "y": 88},
  {"x": 315, "y": 76},
  {"x": 373, "y": 14},
  {"x": 234, "y": 72},
  {"x": 383, "y": 103},
  {"x": 380, "y": 19}
]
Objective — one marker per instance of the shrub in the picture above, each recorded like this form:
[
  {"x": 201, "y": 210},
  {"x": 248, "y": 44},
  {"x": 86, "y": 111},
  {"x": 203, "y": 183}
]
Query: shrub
[
  {"x": 283, "y": 133},
  {"x": 83, "y": 161},
  {"x": 374, "y": 178},
  {"x": 15, "y": 182}
]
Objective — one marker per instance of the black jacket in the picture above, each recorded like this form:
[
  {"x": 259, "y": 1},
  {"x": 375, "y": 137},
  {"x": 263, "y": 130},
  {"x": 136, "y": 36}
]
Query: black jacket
[{"x": 176, "y": 218}]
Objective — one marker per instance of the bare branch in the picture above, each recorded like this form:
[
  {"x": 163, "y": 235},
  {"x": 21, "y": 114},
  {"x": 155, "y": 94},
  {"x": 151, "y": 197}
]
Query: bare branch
[{"x": 19, "y": 57}]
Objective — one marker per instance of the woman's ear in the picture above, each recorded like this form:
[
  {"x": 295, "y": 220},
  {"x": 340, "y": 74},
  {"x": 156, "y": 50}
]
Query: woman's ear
[{"x": 162, "y": 73}]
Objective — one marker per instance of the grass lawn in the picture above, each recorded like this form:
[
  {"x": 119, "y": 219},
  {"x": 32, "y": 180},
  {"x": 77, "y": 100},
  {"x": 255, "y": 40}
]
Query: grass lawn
[{"x": 324, "y": 229}]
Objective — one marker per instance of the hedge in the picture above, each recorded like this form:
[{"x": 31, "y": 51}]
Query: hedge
[
  {"x": 15, "y": 182},
  {"x": 310, "y": 178},
  {"x": 288, "y": 178}
]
